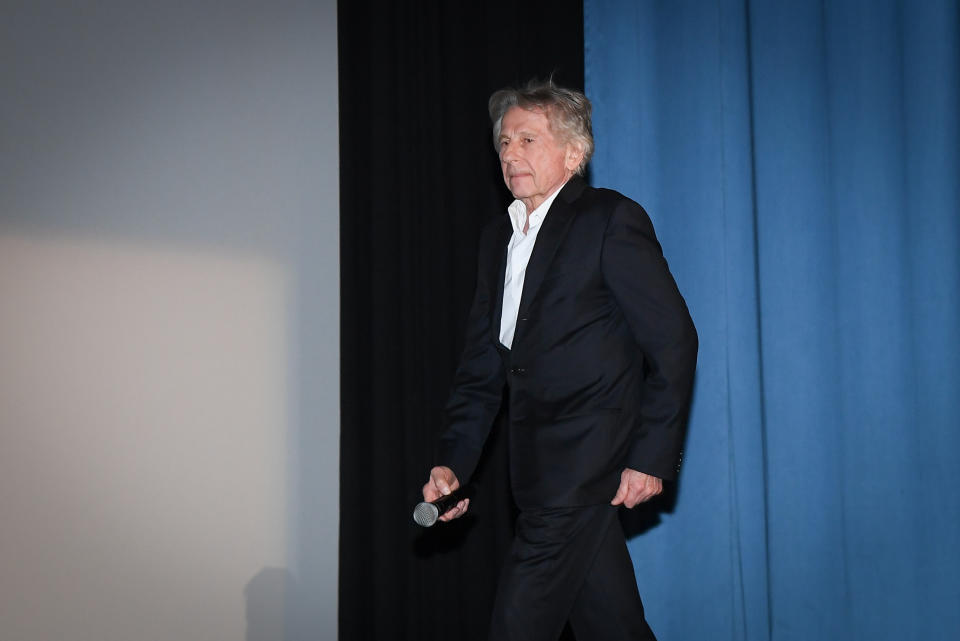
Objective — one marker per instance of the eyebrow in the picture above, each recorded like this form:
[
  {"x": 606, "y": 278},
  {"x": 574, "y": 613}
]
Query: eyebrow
[{"x": 520, "y": 134}]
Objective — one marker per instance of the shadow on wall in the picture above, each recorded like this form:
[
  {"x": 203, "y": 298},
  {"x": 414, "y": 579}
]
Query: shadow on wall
[{"x": 271, "y": 598}]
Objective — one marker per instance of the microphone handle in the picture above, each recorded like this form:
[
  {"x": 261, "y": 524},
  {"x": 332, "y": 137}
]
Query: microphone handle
[{"x": 446, "y": 502}]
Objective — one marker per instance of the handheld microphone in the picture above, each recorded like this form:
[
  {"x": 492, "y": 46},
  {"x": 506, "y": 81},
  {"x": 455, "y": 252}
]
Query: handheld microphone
[{"x": 428, "y": 512}]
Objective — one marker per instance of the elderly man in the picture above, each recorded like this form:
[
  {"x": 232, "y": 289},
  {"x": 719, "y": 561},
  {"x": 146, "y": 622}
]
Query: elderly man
[{"x": 577, "y": 316}]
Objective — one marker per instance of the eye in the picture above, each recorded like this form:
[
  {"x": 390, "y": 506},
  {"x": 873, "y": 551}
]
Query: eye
[{"x": 528, "y": 140}]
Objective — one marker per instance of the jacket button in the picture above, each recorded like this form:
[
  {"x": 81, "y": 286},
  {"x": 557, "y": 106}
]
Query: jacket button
[{"x": 517, "y": 371}]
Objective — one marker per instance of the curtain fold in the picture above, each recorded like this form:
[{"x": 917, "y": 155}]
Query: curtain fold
[
  {"x": 419, "y": 179},
  {"x": 800, "y": 162}
]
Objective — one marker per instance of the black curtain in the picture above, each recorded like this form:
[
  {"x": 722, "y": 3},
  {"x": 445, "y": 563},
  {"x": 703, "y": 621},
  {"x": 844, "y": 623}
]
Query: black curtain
[{"x": 418, "y": 179}]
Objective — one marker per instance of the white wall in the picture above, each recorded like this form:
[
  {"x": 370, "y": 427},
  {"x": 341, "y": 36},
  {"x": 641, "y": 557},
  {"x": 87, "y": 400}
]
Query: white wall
[{"x": 169, "y": 314}]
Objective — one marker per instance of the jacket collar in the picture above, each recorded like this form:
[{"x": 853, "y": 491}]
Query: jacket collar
[
  {"x": 555, "y": 227},
  {"x": 551, "y": 235}
]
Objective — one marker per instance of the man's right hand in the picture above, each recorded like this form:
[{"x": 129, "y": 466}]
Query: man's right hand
[{"x": 442, "y": 482}]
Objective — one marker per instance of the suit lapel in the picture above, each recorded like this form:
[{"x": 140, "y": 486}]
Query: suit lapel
[
  {"x": 502, "y": 240},
  {"x": 555, "y": 227}
]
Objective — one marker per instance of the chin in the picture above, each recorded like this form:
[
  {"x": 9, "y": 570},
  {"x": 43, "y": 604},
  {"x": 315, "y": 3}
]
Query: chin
[{"x": 519, "y": 187}]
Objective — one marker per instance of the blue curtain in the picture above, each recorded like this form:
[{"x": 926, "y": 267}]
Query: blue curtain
[{"x": 801, "y": 163}]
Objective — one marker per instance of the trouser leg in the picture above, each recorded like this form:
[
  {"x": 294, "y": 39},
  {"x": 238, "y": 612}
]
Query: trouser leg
[
  {"x": 545, "y": 566},
  {"x": 568, "y": 563},
  {"x": 608, "y": 606}
]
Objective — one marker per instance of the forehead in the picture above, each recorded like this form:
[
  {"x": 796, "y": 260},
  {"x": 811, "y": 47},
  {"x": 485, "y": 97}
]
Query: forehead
[{"x": 518, "y": 118}]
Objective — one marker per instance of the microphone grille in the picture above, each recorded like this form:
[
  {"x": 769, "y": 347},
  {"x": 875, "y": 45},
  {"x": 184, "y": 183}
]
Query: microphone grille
[{"x": 426, "y": 514}]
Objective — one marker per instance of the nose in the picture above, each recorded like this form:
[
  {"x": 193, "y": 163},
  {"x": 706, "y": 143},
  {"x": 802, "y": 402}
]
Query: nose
[{"x": 507, "y": 152}]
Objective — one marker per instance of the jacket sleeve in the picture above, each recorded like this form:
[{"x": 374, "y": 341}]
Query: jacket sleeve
[
  {"x": 478, "y": 384},
  {"x": 637, "y": 274}
]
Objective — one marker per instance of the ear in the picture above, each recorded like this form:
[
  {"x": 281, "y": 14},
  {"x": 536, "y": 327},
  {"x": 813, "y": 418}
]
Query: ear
[{"x": 573, "y": 156}]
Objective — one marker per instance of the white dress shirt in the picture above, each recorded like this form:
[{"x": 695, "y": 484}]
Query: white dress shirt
[{"x": 518, "y": 255}]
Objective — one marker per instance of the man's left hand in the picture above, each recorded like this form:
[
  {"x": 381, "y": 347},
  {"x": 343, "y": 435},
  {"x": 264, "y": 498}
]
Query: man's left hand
[{"x": 636, "y": 487}]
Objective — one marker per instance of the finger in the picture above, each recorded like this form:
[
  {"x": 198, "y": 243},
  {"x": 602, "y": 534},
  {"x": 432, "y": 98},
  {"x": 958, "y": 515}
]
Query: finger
[
  {"x": 638, "y": 494},
  {"x": 649, "y": 491},
  {"x": 653, "y": 487},
  {"x": 456, "y": 511},
  {"x": 453, "y": 512},
  {"x": 621, "y": 494},
  {"x": 433, "y": 490},
  {"x": 430, "y": 491},
  {"x": 440, "y": 482},
  {"x": 644, "y": 495},
  {"x": 444, "y": 479}
]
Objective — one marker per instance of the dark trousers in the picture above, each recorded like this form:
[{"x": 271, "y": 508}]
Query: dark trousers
[{"x": 569, "y": 564}]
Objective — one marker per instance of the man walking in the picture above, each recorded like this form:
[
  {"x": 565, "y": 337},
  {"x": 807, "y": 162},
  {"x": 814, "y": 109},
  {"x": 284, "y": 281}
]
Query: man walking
[{"x": 577, "y": 315}]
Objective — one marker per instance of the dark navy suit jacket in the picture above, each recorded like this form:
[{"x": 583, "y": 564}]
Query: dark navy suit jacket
[{"x": 601, "y": 368}]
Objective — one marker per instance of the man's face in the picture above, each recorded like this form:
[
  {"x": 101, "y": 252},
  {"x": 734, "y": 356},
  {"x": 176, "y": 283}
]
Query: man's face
[{"x": 534, "y": 162}]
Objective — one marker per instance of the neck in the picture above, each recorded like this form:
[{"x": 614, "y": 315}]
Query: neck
[{"x": 532, "y": 203}]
